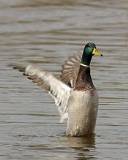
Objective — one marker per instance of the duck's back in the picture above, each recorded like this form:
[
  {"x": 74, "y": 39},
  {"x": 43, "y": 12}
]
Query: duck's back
[{"x": 82, "y": 112}]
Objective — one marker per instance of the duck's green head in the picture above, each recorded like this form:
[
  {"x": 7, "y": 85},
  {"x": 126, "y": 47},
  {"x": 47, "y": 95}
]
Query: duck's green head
[{"x": 89, "y": 51}]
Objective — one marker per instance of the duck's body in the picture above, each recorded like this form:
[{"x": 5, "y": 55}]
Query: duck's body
[
  {"x": 74, "y": 94},
  {"x": 82, "y": 112},
  {"x": 83, "y": 105}
]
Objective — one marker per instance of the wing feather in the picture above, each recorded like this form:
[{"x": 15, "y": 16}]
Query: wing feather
[
  {"x": 57, "y": 89},
  {"x": 70, "y": 70}
]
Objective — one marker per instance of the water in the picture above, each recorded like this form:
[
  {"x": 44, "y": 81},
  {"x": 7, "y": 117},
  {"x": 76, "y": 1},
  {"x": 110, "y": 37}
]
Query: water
[{"x": 46, "y": 33}]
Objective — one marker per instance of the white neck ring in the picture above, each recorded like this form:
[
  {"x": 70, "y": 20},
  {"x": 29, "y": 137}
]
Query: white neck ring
[{"x": 84, "y": 65}]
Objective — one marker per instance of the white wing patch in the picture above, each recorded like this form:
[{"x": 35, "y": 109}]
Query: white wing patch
[{"x": 57, "y": 89}]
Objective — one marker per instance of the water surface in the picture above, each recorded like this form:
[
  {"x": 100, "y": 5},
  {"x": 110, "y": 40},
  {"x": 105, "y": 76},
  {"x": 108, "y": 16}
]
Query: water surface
[{"x": 46, "y": 33}]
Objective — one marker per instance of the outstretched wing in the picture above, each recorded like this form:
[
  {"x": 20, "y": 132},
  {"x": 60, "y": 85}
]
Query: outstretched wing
[
  {"x": 70, "y": 70},
  {"x": 57, "y": 89}
]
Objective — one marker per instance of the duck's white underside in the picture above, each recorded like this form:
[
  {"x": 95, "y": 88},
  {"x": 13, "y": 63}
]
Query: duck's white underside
[{"x": 82, "y": 112}]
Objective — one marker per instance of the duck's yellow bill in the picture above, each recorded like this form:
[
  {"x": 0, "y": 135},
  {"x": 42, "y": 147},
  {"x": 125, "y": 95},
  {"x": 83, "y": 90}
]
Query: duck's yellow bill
[{"x": 96, "y": 52}]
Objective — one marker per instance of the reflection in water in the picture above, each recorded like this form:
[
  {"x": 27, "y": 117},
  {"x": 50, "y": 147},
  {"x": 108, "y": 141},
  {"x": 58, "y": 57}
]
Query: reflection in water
[
  {"x": 82, "y": 143},
  {"x": 82, "y": 146}
]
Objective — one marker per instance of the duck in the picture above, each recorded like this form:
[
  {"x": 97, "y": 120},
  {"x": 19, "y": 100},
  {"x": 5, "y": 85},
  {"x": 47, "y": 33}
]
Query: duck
[{"x": 73, "y": 92}]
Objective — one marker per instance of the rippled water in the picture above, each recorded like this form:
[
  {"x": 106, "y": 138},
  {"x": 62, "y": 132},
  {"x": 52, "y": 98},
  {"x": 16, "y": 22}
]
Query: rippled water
[{"x": 46, "y": 33}]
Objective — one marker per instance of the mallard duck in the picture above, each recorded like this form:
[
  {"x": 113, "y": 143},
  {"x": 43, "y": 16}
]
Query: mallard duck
[{"x": 74, "y": 92}]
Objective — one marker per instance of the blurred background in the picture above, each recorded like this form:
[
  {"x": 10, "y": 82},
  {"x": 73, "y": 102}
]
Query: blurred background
[{"x": 45, "y": 33}]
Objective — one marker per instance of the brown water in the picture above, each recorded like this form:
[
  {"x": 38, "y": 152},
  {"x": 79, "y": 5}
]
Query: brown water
[{"x": 45, "y": 32}]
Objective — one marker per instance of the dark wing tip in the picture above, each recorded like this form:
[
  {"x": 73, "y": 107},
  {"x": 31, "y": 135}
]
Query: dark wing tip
[{"x": 18, "y": 66}]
